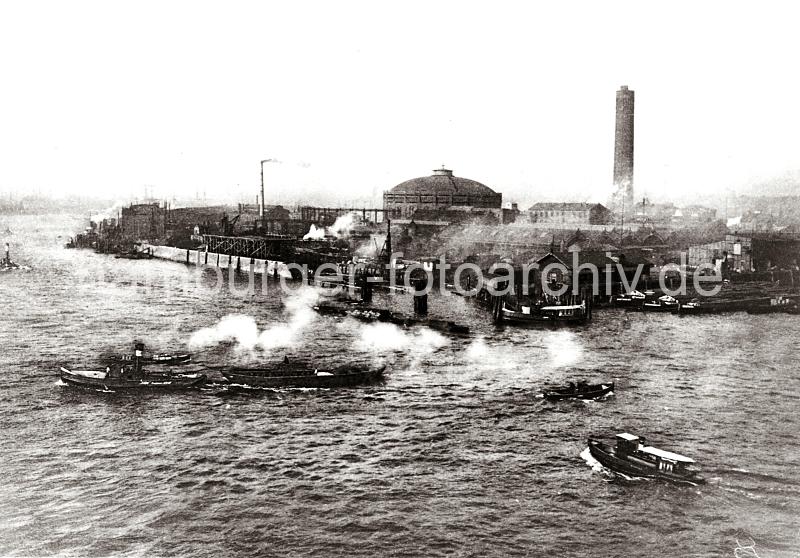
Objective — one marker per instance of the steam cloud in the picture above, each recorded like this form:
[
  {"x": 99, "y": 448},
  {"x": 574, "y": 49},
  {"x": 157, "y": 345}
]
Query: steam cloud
[
  {"x": 343, "y": 225},
  {"x": 110, "y": 213},
  {"x": 379, "y": 338},
  {"x": 340, "y": 229},
  {"x": 314, "y": 233},
  {"x": 564, "y": 348},
  {"x": 245, "y": 332}
]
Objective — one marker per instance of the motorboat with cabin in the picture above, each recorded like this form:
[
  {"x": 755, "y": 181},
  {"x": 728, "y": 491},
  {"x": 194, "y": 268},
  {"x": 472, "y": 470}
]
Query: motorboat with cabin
[{"x": 632, "y": 457}]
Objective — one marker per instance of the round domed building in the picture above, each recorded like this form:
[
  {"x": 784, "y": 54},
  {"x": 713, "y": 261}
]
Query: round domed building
[{"x": 441, "y": 192}]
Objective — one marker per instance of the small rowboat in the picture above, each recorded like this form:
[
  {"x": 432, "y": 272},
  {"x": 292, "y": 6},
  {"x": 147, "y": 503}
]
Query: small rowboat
[
  {"x": 169, "y": 359},
  {"x": 291, "y": 377},
  {"x": 125, "y": 380},
  {"x": 580, "y": 391},
  {"x": 162, "y": 358}
]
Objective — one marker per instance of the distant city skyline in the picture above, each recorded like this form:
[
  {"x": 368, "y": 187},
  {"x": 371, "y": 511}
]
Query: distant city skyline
[{"x": 353, "y": 98}]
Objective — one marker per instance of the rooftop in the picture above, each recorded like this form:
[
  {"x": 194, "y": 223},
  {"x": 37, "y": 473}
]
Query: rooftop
[
  {"x": 563, "y": 206},
  {"x": 442, "y": 181},
  {"x": 666, "y": 455}
]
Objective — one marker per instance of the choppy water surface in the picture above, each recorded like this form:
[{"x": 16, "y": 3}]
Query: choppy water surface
[{"x": 453, "y": 455}]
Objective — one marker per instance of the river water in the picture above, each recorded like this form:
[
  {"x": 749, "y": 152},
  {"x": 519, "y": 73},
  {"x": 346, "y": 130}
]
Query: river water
[{"x": 454, "y": 455}]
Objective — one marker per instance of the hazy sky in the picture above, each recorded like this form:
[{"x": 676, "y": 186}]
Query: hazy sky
[{"x": 354, "y": 97}]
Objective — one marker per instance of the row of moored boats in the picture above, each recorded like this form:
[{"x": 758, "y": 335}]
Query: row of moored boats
[{"x": 648, "y": 301}]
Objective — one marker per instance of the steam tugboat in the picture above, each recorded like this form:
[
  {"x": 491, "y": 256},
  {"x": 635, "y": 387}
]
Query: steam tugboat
[
  {"x": 632, "y": 457},
  {"x": 130, "y": 377}
]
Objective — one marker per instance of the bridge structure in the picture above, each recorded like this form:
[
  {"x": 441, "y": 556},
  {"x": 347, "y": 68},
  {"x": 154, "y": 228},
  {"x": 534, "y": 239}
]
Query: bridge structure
[{"x": 268, "y": 247}]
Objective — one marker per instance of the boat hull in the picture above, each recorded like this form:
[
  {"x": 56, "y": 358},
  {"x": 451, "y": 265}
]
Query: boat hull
[
  {"x": 648, "y": 307},
  {"x": 777, "y": 309},
  {"x": 628, "y": 302},
  {"x": 518, "y": 318},
  {"x": 146, "y": 382},
  {"x": 272, "y": 379},
  {"x": 608, "y": 459},
  {"x": 596, "y": 393}
]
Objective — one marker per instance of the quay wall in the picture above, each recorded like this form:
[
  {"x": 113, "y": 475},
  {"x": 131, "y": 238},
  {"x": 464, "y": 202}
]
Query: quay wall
[{"x": 222, "y": 261}]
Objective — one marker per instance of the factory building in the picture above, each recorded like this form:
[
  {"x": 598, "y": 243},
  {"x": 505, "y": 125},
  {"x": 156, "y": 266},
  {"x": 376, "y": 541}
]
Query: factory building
[{"x": 572, "y": 214}]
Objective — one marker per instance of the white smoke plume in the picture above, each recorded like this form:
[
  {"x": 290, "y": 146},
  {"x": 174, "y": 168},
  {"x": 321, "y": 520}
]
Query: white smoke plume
[
  {"x": 110, "y": 213},
  {"x": 495, "y": 357},
  {"x": 477, "y": 350},
  {"x": 564, "y": 348},
  {"x": 233, "y": 327},
  {"x": 379, "y": 338},
  {"x": 372, "y": 247},
  {"x": 314, "y": 233},
  {"x": 244, "y": 331},
  {"x": 343, "y": 225},
  {"x": 340, "y": 229}
]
